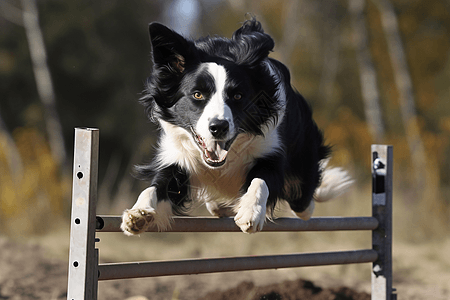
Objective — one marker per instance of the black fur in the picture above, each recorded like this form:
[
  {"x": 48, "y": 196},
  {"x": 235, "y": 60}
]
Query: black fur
[{"x": 291, "y": 173}]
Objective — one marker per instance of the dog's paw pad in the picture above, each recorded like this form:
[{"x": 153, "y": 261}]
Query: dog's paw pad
[
  {"x": 136, "y": 221},
  {"x": 249, "y": 221},
  {"x": 251, "y": 214}
]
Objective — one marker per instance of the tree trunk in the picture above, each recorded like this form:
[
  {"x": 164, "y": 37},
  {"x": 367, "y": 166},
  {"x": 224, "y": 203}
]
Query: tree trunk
[
  {"x": 367, "y": 73},
  {"x": 11, "y": 153},
  {"x": 43, "y": 79},
  {"x": 404, "y": 87}
]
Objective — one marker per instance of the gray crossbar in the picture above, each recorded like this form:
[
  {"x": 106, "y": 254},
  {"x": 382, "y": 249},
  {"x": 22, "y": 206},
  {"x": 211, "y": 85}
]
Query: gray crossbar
[
  {"x": 231, "y": 264},
  {"x": 211, "y": 224}
]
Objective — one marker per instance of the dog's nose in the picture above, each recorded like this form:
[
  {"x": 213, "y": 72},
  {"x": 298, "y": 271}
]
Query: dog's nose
[{"x": 219, "y": 128}]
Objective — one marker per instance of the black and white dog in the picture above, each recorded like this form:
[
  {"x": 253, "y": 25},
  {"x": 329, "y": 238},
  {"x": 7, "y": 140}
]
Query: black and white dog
[{"x": 234, "y": 134}]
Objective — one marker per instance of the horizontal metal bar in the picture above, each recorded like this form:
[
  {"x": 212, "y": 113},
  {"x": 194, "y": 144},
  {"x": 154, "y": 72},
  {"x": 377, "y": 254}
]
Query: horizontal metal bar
[
  {"x": 211, "y": 224},
  {"x": 231, "y": 264}
]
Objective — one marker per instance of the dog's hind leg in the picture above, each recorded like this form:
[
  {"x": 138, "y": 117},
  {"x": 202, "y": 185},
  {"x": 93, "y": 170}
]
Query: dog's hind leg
[
  {"x": 334, "y": 182},
  {"x": 219, "y": 210},
  {"x": 307, "y": 213}
]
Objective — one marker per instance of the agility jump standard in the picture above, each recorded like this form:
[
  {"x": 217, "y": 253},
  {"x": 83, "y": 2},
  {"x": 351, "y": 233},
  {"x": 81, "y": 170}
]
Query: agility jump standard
[{"x": 85, "y": 271}]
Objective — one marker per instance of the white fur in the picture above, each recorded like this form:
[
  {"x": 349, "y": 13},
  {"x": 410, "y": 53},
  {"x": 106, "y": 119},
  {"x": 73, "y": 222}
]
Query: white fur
[
  {"x": 251, "y": 212},
  {"x": 176, "y": 146},
  {"x": 335, "y": 182},
  {"x": 216, "y": 107},
  {"x": 223, "y": 184},
  {"x": 146, "y": 212}
]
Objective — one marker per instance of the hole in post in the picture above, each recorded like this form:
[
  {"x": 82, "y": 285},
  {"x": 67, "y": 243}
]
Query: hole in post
[
  {"x": 99, "y": 224},
  {"x": 80, "y": 175},
  {"x": 77, "y": 221},
  {"x": 75, "y": 264}
]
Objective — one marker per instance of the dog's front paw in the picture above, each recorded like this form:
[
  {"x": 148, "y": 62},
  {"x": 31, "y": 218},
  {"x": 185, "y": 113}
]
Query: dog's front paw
[
  {"x": 147, "y": 211},
  {"x": 136, "y": 220},
  {"x": 250, "y": 220},
  {"x": 251, "y": 214}
]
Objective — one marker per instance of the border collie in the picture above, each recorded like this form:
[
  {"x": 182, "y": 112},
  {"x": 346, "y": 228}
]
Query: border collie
[{"x": 234, "y": 134}]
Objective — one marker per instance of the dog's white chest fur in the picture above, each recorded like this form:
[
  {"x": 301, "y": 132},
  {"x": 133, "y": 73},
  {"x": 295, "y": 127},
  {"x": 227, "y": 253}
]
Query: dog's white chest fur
[
  {"x": 224, "y": 184},
  {"x": 207, "y": 184}
]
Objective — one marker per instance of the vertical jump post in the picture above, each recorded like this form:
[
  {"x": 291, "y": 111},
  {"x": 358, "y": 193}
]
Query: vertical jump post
[
  {"x": 83, "y": 257},
  {"x": 382, "y": 173}
]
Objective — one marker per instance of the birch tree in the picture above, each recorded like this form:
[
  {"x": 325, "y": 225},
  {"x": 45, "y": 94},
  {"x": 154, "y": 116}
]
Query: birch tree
[
  {"x": 367, "y": 73},
  {"x": 11, "y": 153},
  {"x": 43, "y": 79},
  {"x": 404, "y": 86}
]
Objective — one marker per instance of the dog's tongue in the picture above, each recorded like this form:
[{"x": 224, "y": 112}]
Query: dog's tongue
[{"x": 215, "y": 151}]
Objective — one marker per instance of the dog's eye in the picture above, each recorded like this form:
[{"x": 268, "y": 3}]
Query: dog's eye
[
  {"x": 237, "y": 96},
  {"x": 198, "y": 96}
]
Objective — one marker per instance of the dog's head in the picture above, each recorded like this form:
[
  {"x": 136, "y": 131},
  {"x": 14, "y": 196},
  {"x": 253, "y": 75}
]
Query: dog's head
[{"x": 214, "y": 88}]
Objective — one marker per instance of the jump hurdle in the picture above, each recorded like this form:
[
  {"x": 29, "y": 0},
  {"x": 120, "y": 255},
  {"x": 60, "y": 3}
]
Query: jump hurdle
[{"x": 85, "y": 270}]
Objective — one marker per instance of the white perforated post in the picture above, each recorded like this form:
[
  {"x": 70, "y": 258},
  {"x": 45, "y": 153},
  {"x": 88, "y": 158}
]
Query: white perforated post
[
  {"x": 83, "y": 257},
  {"x": 382, "y": 161}
]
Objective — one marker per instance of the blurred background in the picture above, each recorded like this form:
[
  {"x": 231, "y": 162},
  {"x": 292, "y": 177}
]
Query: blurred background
[{"x": 373, "y": 71}]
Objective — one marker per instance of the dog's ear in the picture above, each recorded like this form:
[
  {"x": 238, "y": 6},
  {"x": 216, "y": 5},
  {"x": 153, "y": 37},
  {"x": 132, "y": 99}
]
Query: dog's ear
[
  {"x": 249, "y": 27},
  {"x": 253, "y": 45},
  {"x": 172, "y": 55},
  {"x": 169, "y": 48}
]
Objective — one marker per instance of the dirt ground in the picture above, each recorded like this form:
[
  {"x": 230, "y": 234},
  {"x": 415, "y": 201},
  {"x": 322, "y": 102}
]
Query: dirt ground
[
  {"x": 29, "y": 272},
  {"x": 286, "y": 290}
]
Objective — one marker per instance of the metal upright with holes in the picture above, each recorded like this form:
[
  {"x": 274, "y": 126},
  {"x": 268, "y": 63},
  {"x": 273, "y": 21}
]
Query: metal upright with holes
[
  {"x": 382, "y": 163},
  {"x": 83, "y": 257}
]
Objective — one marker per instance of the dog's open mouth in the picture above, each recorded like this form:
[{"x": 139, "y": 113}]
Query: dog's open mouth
[{"x": 214, "y": 152}]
